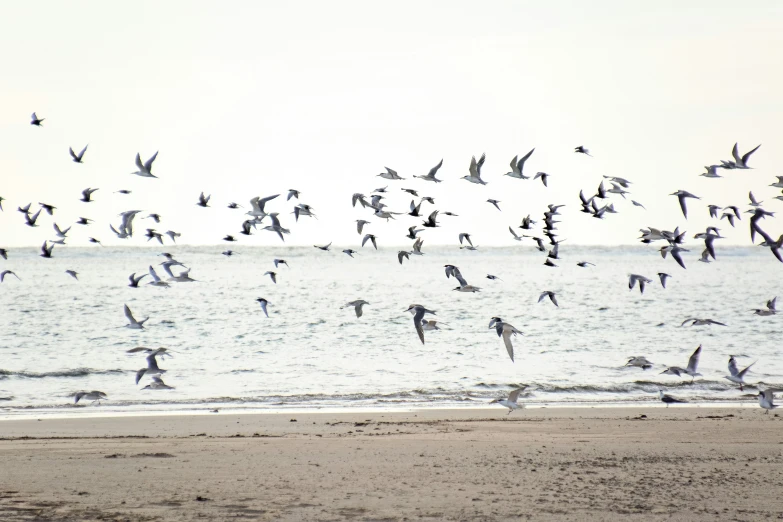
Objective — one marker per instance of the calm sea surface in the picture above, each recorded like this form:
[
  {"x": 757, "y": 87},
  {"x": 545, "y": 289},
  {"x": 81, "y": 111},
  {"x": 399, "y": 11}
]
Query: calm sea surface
[{"x": 59, "y": 336}]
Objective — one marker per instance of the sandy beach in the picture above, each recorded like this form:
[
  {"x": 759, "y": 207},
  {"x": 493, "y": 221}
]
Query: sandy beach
[{"x": 634, "y": 463}]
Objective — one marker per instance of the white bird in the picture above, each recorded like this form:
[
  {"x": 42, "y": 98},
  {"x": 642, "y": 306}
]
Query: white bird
[
  {"x": 693, "y": 365},
  {"x": 77, "y": 158},
  {"x": 636, "y": 278},
  {"x": 475, "y": 170},
  {"x": 516, "y": 237},
  {"x": 511, "y": 401},
  {"x": 258, "y": 205},
  {"x": 182, "y": 277},
  {"x": 428, "y": 326},
  {"x": 157, "y": 384},
  {"x": 272, "y": 275},
  {"x": 418, "y": 312},
  {"x": 151, "y": 369},
  {"x": 735, "y": 375},
  {"x": 94, "y": 396},
  {"x": 280, "y": 262},
  {"x": 390, "y": 174},
  {"x": 145, "y": 169},
  {"x": 263, "y": 302},
  {"x": 431, "y": 174},
  {"x": 133, "y": 324},
  {"x": 766, "y": 399},
  {"x": 640, "y": 362},
  {"x": 505, "y": 331},
  {"x": 60, "y": 233},
  {"x": 357, "y": 306},
  {"x": 753, "y": 202},
  {"x": 517, "y": 167},
  {"x": 134, "y": 281},
  {"x": 5, "y": 273},
  {"x": 739, "y": 162},
  {"x": 156, "y": 281},
  {"x": 550, "y": 295}
]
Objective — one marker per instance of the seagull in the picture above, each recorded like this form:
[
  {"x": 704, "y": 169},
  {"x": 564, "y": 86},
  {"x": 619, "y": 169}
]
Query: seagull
[
  {"x": 550, "y": 295},
  {"x": 371, "y": 238},
  {"x": 466, "y": 237},
  {"x": 357, "y": 306},
  {"x": 765, "y": 400},
  {"x": 77, "y": 158},
  {"x": 263, "y": 302},
  {"x": 693, "y": 364},
  {"x": 73, "y": 274},
  {"x": 151, "y": 369},
  {"x": 360, "y": 225},
  {"x": 511, "y": 402},
  {"x": 157, "y": 384},
  {"x": 325, "y": 248},
  {"x": 634, "y": 278},
  {"x": 741, "y": 162},
  {"x": 35, "y": 120},
  {"x": 543, "y": 175},
  {"x": 735, "y": 375},
  {"x": 418, "y": 312},
  {"x": 582, "y": 150},
  {"x": 584, "y": 264},
  {"x": 87, "y": 193},
  {"x": 475, "y": 170},
  {"x": 7, "y": 272},
  {"x": 640, "y": 362},
  {"x": 156, "y": 281},
  {"x": 94, "y": 396},
  {"x": 681, "y": 196},
  {"x": 46, "y": 252},
  {"x": 663, "y": 276},
  {"x": 505, "y": 331},
  {"x": 517, "y": 167},
  {"x": 203, "y": 201},
  {"x": 348, "y": 251},
  {"x": 134, "y": 281},
  {"x": 494, "y": 202},
  {"x": 280, "y": 262},
  {"x": 145, "y": 169},
  {"x": 390, "y": 174},
  {"x": 668, "y": 399},
  {"x": 133, "y": 323},
  {"x": 431, "y": 174},
  {"x": 272, "y": 276}
]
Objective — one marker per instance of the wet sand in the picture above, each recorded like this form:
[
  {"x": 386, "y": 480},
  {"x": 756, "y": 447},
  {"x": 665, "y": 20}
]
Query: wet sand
[{"x": 635, "y": 463}]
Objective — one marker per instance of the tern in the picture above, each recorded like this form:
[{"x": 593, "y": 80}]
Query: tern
[
  {"x": 753, "y": 202},
  {"x": 740, "y": 162},
  {"x": 173, "y": 235},
  {"x": 636, "y": 203},
  {"x": 357, "y": 306},
  {"x": 429, "y": 326},
  {"x": 154, "y": 217},
  {"x": 635, "y": 278},
  {"x": 663, "y": 276},
  {"x": 431, "y": 220},
  {"x": 35, "y": 120},
  {"x": 475, "y": 170},
  {"x": 203, "y": 201},
  {"x": 735, "y": 375},
  {"x": 263, "y": 302},
  {"x": 466, "y": 237},
  {"x": 402, "y": 254},
  {"x": 494, "y": 202},
  {"x": 73, "y": 274},
  {"x": 48, "y": 208},
  {"x": 511, "y": 401},
  {"x": 701, "y": 322},
  {"x": 258, "y": 205},
  {"x": 30, "y": 221},
  {"x": 682, "y": 195},
  {"x": 360, "y": 225},
  {"x": 711, "y": 171},
  {"x": 87, "y": 194},
  {"x": 325, "y": 248},
  {"x": 60, "y": 233},
  {"x": 83, "y": 221},
  {"x": 668, "y": 399},
  {"x": 272, "y": 276},
  {"x": 145, "y": 169},
  {"x": 412, "y": 231},
  {"x": 417, "y": 247},
  {"x": 766, "y": 398},
  {"x": 77, "y": 158},
  {"x": 505, "y": 331},
  {"x": 94, "y": 396},
  {"x": 517, "y": 167},
  {"x": 182, "y": 277},
  {"x": 234, "y": 206},
  {"x": 550, "y": 295},
  {"x": 493, "y": 277},
  {"x": 778, "y": 183},
  {"x": 151, "y": 369},
  {"x": 134, "y": 281},
  {"x": 7, "y": 272},
  {"x": 46, "y": 252},
  {"x": 229, "y": 253},
  {"x": 431, "y": 174},
  {"x": 543, "y": 175},
  {"x": 157, "y": 384},
  {"x": 350, "y": 252},
  {"x": 411, "y": 192},
  {"x": 584, "y": 264},
  {"x": 418, "y": 312},
  {"x": 280, "y": 262},
  {"x": 371, "y": 238},
  {"x": 3, "y": 253},
  {"x": 292, "y": 193},
  {"x": 133, "y": 324},
  {"x": 693, "y": 364},
  {"x": 516, "y": 237},
  {"x": 156, "y": 281},
  {"x": 640, "y": 362},
  {"x": 770, "y": 310},
  {"x": 580, "y": 149},
  {"x": 390, "y": 174}
]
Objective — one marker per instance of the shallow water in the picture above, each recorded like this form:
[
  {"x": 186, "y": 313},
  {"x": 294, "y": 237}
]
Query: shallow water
[{"x": 59, "y": 336}]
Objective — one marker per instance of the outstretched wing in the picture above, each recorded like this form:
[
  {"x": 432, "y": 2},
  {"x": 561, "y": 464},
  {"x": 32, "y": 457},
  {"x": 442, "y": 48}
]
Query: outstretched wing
[{"x": 693, "y": 362}]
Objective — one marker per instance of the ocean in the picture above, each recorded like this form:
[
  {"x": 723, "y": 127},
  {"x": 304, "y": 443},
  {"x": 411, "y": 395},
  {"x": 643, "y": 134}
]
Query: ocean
[{"x": 59, "y": 336}]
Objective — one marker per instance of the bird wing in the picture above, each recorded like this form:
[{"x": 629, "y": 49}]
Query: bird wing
[
  {"x": 693, "y": 362},
  {"x": 434, "y": 169},
  {"x": 508, "y": 331},
  {"x": 459, "y": 277},
  {"x": 148, "y": 163},
  {"x": 523, "y": 159},
  {"x": 417, "y": 317},
  {"x": 473, "y": 167},
  {"x": 513, "y": 233},
  {"x": 742, "y": 373},
  {"x": 154, "y": 275},
  {"x": 129, "y": 315},
  {"x": 514, "y": 395},
  {"x": 733, "y": 371},
  {"x": 139, "y": 164},
  {"x": 735, "y": 154},
  {"x": 263, "y": 307}
]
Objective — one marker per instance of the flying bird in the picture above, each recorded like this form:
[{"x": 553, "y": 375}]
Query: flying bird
[
  {"x": 35, "y": 120},
  {"x": 691, "y": 369},
  {"x": 77, "y": 158},
  {"x": 682, "y": 195},
  {"x": 263, "y": 302},
  {"x": 133, "y": 324},
  {"x": 87, "y": 194},
  {"x": 145, "y": 169},
  {"x": 511, "y": 401},
  {"x": 517, "y": 167},
  {"x": 735, "y": 375},
  {"x": 418, "y": 312},
  {"x": 357, "y": 306}
]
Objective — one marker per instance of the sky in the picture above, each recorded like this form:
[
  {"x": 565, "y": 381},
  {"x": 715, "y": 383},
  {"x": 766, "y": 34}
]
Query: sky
[{"x": 252, "y": 98}]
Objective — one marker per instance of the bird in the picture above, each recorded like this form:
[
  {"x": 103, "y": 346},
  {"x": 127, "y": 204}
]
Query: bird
[
  {"x": 280, "y": 262},
  {"x": 753, "y": 202},
  {"x": 505, "y": 331},
  {"x": 134, "y": 281},
  {"x": 682, "y": 195},
  {"x": 154, "y": 217},
  {"x": 272, "y": 276},
  {"x": 511, "y": 401},
  {"x": 418, "y": 312},
  {"x": 48, "y": 208},
  {"x": 431, "y": 174},
  {"x": 668, "y": 399},
  {"x": 637, "y": 204},
  {"x": 701, "y": 322},
  {"x": 292, "y": 193},
  {"x": 94, "y": 396},
  {"x": 635, "y": 278},
  {"x": 156, "y": 281},
  {"x": 584, "y": 264},
  {"x": 493, "y": 277},
  {"x": 417, "y": 247},
  {"x": 640, "y": 362},
  {"x": 3, "y": 253},
  {"x": 691, "y": 369},
  {"x": 466, "y": 237},
  {"x": 350, "y": 252},
  {"x": 517, "y": 167},
  {"x": 73, "y": 274},
  {"x": 133, "y": 324},
  {"x": 229, "y": 253},
  {"x": 182, "y": 277},
  {"x": 228, "y": 238},
  {"x": 740, "y": 162},
  {"x": 735, "y": 375},
  {"x": 87, "y": 194},
  {"x": 428, "y": 326},
  {"x": 258, "y": 206},
  {"x": 59, "y": 232},
  {"x": 402, "y": 254},
  {"x": 663, "y": 277},
  {"x": 475, "y": 170},
  {"x": 769, "y": 310},
  {"x": 234, "y": 206},
  {"x": 157, "y": 384},
  {"x": 46, "y": 252},
  {"x": 549, "y": 263},
  {"x": 35, "y": 120},
  {"x": 360, "y": 225},
  {"x": 543, "y": 175},
  {"x": 550, "y": 295},
  {"x": 263, "y": 302},
  {"x": 431, "y": 220},
  {"x": 151, "y": 369},
  {"x": 766, "y": 398},
  {"x": 173, "y": 235},
  {"x": 83, "y": 221},
  {"x": 711, "y": 171},
  {"x": 357, "y": 306},
  {"x": 390, "y": 174},
  {"x": 325, "y": 248},
  {"x": 411, "y": 192},
  {"x": 412, "y": 232},
  {"x": 580, "y": 149},
  {"x": 77, "y": 158},
  {"x": 494, "y": 202},
  {"x": 203, "y": 201},
  {"x": 145, "y": 169},
  {"x": 30, "y": 221},
  {"x": 7, "y": 272},
  {"x": 371, "y": 238}
]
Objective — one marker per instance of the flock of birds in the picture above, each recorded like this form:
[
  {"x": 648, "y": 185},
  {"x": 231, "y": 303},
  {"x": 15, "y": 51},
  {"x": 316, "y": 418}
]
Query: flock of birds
[{"x": 547, "y": 242}]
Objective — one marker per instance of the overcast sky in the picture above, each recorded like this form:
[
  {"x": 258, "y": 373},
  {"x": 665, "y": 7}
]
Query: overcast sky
[{"x": 252, "y": 98}]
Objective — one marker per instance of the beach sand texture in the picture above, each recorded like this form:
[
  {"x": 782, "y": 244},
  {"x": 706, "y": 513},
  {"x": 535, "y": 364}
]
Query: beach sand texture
[{"x": 635, "y": 463}]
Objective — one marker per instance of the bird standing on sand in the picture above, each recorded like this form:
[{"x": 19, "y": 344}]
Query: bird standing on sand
[{"x": 668, "y": 399}]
